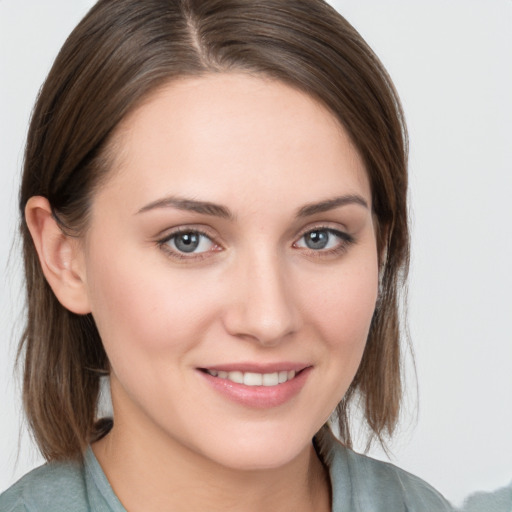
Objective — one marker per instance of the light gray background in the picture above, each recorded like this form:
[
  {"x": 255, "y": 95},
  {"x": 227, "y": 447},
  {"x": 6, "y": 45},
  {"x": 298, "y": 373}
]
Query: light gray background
[{"x": 452, "y": 64}]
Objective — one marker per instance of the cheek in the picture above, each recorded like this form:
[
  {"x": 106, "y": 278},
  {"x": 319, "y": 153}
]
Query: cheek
[
  {"x": 342, "y": 307},
  {"x": 339, "y": 308},
  {"x": 149, "y": 311}
]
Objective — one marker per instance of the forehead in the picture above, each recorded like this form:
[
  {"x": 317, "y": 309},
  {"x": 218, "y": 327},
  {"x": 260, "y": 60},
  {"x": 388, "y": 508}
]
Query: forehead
[{"x": 234, "y": 134}]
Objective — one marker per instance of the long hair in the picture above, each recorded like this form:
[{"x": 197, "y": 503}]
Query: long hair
[{"x": 119, "y": 53}]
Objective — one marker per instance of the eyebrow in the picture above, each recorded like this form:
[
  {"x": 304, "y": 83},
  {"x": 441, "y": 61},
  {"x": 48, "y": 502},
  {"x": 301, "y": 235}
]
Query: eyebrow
[
  {"x": 331, "y": 204},
  {"x": 203, "y": 207},
  {"x": 217, "y": 210}
]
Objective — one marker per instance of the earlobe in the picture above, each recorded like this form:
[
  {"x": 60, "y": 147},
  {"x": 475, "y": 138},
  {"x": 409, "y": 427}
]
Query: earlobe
[{"x": 60, "y": 256}]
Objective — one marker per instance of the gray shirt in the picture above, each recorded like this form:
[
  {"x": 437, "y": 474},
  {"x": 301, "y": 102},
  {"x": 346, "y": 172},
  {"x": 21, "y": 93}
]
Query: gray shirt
[{"x": 359, "y": 484}]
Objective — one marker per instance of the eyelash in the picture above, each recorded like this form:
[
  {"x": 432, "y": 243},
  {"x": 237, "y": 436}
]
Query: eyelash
[
  {"x": 345, "y": 241},
  {"x": 164, "y": 244}
]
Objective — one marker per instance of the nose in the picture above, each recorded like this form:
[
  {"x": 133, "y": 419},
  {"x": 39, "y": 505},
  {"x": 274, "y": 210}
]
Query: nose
[{"x": 262, "y": 305}]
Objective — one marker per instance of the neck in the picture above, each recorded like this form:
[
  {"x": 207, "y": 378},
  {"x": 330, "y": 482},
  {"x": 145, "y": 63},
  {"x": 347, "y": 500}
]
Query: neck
[{"x": 175, "y": 478}]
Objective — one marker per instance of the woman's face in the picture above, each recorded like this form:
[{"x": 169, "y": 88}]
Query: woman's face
[{"x": 231, "y": 268}]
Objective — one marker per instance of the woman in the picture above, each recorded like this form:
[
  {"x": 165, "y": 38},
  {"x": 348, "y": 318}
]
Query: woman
[{"x": 214, "y": 205}]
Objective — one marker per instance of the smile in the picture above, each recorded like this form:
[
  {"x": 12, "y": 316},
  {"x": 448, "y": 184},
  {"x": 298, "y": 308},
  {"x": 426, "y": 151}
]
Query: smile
[
  {"x": 254, "y": 379},
  {"x": 258, "y": 386}
]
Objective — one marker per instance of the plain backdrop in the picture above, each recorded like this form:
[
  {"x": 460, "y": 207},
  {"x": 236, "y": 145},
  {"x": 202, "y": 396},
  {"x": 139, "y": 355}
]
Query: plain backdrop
[{"x": 452, "y": 64}]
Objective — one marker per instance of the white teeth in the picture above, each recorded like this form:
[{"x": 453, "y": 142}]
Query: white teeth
[
  {"x": 255, "y": 379},
  {"x": 270, "y": 379},
  {"x": 283, "y": 376},
  {"x": 237, "y": 377}
]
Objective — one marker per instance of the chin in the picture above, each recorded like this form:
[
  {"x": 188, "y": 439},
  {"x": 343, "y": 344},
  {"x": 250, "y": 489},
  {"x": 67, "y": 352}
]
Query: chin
[
  {"x": 243, "y": 461},
  {"x": 263, "y": 451}
]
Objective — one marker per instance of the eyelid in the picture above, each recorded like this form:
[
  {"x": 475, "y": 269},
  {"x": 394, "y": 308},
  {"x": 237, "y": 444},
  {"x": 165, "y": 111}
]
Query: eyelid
[
  {"x": 346, "y": 240},
  {"x": 162, "y": 242},
  {"x": 336, "y": 229},
  {"x": 170, "y": 231}
]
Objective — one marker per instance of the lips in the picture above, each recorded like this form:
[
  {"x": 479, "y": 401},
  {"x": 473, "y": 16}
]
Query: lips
[{"x": 258, "y": 386}]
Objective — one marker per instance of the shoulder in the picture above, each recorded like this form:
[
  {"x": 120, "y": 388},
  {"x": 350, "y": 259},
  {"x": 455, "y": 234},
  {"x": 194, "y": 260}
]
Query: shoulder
[
  {"x": 395, "y": 485},
  {"x": 361, "y": 483},
  {"x": 55, "y": 487}
]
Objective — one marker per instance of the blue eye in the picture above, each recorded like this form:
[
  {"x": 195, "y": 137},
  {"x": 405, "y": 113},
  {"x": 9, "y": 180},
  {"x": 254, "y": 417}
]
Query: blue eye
[
  {"x": 317, "y": 239},
  {"x": 189, "y": 242},
  {"x": 323, "y": 239}
]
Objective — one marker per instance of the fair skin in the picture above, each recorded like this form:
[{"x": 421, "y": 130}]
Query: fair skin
[{"x": 277, "y": 280}]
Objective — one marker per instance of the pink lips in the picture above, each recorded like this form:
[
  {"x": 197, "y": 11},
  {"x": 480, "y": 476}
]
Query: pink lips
[{"x": 260, "y": 397}]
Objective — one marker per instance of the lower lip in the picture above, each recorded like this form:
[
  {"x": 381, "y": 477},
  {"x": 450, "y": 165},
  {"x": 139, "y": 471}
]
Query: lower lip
[{"x": 259, "y": 397}]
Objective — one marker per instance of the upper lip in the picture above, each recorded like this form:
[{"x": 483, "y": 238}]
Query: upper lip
[{"x": 258, "y": 367}]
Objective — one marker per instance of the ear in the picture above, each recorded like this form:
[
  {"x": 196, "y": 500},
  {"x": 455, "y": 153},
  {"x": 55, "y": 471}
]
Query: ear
[{"x": 60, "y": 255}]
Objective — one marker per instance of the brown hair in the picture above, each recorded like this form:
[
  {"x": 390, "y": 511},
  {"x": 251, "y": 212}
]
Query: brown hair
[{"x": 120, "y": 52}]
